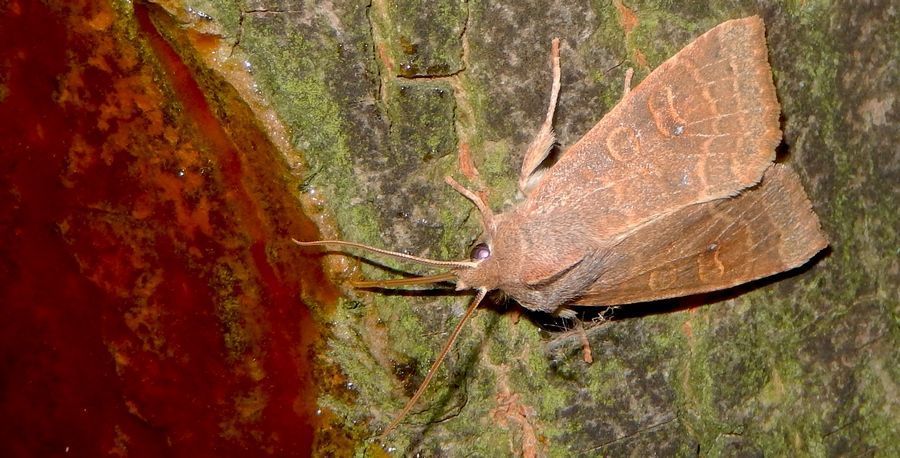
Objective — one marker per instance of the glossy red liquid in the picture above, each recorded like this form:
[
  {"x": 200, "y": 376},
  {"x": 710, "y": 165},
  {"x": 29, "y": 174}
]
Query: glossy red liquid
[{"x": 150, "y": 300}]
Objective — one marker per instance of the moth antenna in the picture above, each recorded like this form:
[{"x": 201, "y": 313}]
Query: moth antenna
[
  {"x": 487, "y": 216},
  {"x": 404, "y": 256},
  {"x": 437, "y": 363},
  {"x": 545, "y": 139}
]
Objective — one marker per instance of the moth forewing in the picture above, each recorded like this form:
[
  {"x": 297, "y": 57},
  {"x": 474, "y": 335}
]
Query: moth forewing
[
  {"x": 702, "y": 126},
  {"x": 765, "y": 230}
]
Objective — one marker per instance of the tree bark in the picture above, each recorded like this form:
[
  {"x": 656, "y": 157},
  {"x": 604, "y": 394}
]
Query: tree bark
[{"x": 378, "y": 98}]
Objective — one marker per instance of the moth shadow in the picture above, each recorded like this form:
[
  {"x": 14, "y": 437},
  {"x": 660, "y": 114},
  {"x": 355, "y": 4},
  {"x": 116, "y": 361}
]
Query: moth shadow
[
  {"x": 422, "y": 291},
  {"x": 425, "y": 290},
  {"x": 783, "y": 150}
]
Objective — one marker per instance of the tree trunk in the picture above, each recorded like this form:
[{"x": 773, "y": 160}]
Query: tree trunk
[
  {"x": 379, "y": 100},
  {"x": 371, "y": 103}
]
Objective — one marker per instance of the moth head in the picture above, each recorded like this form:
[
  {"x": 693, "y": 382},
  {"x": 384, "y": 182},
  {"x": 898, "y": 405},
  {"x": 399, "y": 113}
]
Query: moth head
[
  {"x": 497, "y": 261},
  {"x": 474, "y": 277}
]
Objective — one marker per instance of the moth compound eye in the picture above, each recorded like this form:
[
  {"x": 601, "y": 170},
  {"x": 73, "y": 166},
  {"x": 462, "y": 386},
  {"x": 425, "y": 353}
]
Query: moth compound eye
[{"x": 480, "y": 252}]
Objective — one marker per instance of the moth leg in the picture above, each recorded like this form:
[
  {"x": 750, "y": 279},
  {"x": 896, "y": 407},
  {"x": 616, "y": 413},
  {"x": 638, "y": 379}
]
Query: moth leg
[
  {"x": 545, "y": 139},
  {"x": 470, "y": 171},
  {"x": 586, "y": 353},
  {"x": 487, "y": 216},
  {"x": 515, "y": 315},
  {"x": 467, "y": 165},
  {"x": 626, "y": 86}
]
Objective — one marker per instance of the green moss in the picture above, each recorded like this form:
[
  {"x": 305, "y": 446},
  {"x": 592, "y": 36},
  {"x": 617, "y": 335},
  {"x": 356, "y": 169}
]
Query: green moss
[
  {"x": 879, "y": 407},
  {"x": 294, "y": 77},
  {"x": 807, "y": 8},
  {"x": 492, "y": 159},
  {"x": 857, "y": 224},
  {"x": 495, "y": 170},
  {"x": 422, "y": 122},
  {"x": 464, "y": 226},
  {"x": 428, "y": 42},
  {"x": 604, "y": 377},
  {"x": 406, "y": 323},
  {"x": 297, "y": 76}
]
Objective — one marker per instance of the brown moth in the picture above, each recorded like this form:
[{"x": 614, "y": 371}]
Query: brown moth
[{"x": 674, "y": 192}]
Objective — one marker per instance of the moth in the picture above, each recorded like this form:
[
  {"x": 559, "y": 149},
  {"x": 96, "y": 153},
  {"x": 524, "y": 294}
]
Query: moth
[{"x": 674, "y": 192}]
